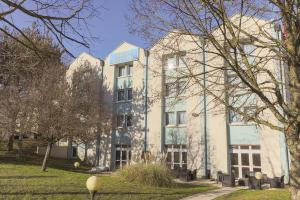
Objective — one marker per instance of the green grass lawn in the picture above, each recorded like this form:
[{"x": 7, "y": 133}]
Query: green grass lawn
[
  {"x": 23, "y": 179},
  {"x": 271, "y": 194}
]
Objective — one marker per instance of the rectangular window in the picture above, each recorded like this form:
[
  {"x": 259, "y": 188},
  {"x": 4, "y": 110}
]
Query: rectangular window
[
  {"x": 245, "y": 159},
  {"x": 181, "y": 116},
  {"x": 171, "y": 63},
  {"x": 74, "y": 152},
  {"x": 170, "y": 118},
  {"x": 181, "y": 87},
  {"x": 235, "y": 117},
  {"x": 177, "y": 157},
  {"x": 122, "y": 71},
  {"x": 129, "y": 70},
  {"x": 129, "y": 120},
  {"x": 123, "y": 155},
  {"x": 129, "y": 93},
  {"x": 120, "y": 120},
  {"x": 170, "y": 89},
  {"x": 121, "y": 95}
]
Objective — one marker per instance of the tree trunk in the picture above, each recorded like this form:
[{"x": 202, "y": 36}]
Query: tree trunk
[
  {"x": 47, "y": 155},
  {"x": 85, "y": 153},
  {"x": 10, "y": 143},
  {"x": 293, "y": 143}
]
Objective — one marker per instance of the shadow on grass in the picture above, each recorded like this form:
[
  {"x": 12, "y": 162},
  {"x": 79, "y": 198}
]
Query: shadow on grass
[
  {"x": 26, "y": 177},
  {"x": 56, "y": 163}
]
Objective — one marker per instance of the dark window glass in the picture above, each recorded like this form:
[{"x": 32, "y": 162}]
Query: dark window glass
[
  {"x": 118, "y": 155},
  {"x": 74, "y": 152},
  {"x": 129, "y": 70},
  {"x": 129, "y": 158},
  {"x": 121, "y": 95},
  {"x": 176, "y": 157},
  {"x": 184, "y": 157},
  {"x": 256, "y": 159},
  {"x": 129, "y": 93},
  {"x": 235, "y": 170},
  {"x": 118, "y": 164},
  {"x": 181, "y": 117},
  {"x": 234, "y": 159},
  {"x": 245, "y": 159},
  {"x": 121, "y": 71},
  {"x": 255, "y": 147},
  {"x": 169, "y": 118},
  {"x": 244, "y": 147},
  {"x": 129, "y": 120},
  {"x": 120, "y": 120},
  {"x": 124, "y": 156},
  {"x": 245, "y": 171},
  {"x": 169, "y": 157}
]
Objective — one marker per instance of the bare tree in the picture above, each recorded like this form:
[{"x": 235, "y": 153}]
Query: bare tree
[
  {"x": 241, "y": 40},
  {"x": 89, "y": 109},
  {"x": 20, "y": 70},
  {"x": 65, "y": 20}
]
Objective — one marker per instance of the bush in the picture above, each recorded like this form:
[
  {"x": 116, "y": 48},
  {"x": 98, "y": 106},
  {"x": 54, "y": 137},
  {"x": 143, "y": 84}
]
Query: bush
[{"x": 157, "y": 175}]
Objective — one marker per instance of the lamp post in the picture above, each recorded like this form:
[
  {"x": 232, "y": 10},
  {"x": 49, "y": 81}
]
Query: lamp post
[{"x": 93, "y": 184}]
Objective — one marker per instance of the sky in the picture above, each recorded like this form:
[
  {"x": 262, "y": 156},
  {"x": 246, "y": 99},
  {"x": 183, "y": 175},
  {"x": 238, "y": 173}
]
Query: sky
[{"x": 111, "y": 29}]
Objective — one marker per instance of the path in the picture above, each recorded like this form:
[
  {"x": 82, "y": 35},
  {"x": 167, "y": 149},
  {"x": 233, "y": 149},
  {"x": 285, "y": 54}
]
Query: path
[{"x": 210, "y": 195}]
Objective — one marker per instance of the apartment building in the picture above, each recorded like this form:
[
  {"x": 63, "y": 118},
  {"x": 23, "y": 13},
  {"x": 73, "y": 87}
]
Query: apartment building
[{"x": 158, "y": 109}]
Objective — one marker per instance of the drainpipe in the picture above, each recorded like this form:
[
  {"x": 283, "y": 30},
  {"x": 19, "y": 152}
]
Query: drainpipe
[
  {"x": 98, "y": 140},
  {"x": 278, "y": 30},
  {"x": 146, "y": 52},
  {"x": 204, "y": 112}
]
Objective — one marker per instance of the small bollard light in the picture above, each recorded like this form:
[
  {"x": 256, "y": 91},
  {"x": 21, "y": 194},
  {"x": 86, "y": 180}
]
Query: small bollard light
[
  {"x": 76, "y": 165},
  {"x": 93, "y": 184},
  {"x": 258, "y": 176}
]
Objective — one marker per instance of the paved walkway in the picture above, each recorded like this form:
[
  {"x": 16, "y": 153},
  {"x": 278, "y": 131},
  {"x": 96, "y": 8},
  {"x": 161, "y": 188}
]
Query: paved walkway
[{"x": 210, "y": 195}]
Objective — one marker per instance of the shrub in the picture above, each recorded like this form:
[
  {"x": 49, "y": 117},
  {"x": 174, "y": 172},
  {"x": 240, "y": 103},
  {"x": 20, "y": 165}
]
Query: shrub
[{"x": 157, "y": 175}]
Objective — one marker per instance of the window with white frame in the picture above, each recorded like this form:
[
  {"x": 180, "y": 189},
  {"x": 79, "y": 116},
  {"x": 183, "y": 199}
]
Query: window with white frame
[
  {"x": 175, "y": 61},
  {"x": 129, "y": 70},
  {"x": 121, "y": 95},
  {"x": 123, "y": 155},
  {"x": 124, "y": 120},
  {"x": 245, "y": 159},
  {"x": 129, "y": 93},
  {"x": 176, "y": 156},
  {"x": 122, "y": 71},
  {"x": 170, "y": 118},
  {"x": 249, "y": 111},
  {"x": 181, "y": 117}
]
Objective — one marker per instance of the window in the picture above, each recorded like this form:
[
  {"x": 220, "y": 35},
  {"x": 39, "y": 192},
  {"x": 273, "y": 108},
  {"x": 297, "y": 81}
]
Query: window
[
  {"x": 120, "y": 120},
  {"x": 121, "y": 71},
  {"x": 123, "y": 156},
  {"x": 180, "y": 87},
  {"x": 170, "y": 89},
  {"x": 129, "y": 70},
  {"x": 170, "y": 118},
  {"x": 171, "y": 62},
  {"x": 74, "y": 152},
  {"x": 181, "y": 61},
  {"x": 129, "y": 120},
  {"x": 181, "y": 117},
  {"x": 121, "y": 95},
  {"x": 176, "y": 157},
  {"x": 129, "y": 93},
  {"x": 245, "y": 159},
  {"x": 235, "y": 117}
]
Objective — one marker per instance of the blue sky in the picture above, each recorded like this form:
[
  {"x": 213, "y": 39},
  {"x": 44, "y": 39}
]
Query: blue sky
[{"x": 110, "y": 29}]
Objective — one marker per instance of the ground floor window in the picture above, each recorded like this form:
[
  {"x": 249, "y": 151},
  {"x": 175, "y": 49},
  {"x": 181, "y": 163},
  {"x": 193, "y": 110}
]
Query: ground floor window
[
  {"x": 74, "y": 152},
  {"x": 123, "y": 155},
  {"x": 176, "y": 157},
  {"x": 245, "y": 159}
]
